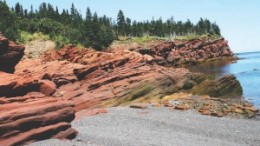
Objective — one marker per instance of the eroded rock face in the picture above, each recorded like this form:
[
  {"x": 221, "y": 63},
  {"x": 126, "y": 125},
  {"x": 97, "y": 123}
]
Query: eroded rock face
[
  {"x": 110, "y": 79},
  {"x": 35, "y": 117},
  {"x": 15, "y": 85},
  {"x": 10, "y": 54},
  {"x": 182, "y": 52},
  {"x": 225, "y": 86}
]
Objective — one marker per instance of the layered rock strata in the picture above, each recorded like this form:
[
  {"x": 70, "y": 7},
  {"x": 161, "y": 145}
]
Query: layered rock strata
[
  {"x": 40, "y": 99},
  {"x": 187, "y": 52}
]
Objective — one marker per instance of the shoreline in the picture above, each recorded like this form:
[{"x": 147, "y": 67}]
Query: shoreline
[{"x": 159, "y": 126}]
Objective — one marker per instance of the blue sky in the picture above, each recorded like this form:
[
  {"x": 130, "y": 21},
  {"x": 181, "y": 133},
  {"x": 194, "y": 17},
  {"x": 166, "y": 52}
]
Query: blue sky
[{"x": 239, "y": 20}]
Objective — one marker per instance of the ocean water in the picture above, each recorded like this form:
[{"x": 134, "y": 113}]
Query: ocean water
[{"x": 247, "y": 71}]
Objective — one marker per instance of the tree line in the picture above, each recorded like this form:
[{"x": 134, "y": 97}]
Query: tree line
[{"x": 98, "y": 32}]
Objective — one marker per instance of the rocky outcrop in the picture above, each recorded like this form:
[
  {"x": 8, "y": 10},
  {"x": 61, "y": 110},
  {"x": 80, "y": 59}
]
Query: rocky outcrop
[
  {"x": 10, "y": 54},
  {"x": 28, "y": 113},
  {"x": 40, "y": 99},
  {"x": 15, "y": 85},
  {"x": 184, "y": 52},
  {"x": 35, "y": 117},
  {"x": 225, "y": 86},
  {"x": 37, "y": 101},
  {"x": 204, "y": 104},
  {"x": 110, "y": 79}
]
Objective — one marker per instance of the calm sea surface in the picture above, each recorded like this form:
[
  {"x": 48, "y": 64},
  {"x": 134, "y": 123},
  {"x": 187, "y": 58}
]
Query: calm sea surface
[{"x": 247, "y": 71}]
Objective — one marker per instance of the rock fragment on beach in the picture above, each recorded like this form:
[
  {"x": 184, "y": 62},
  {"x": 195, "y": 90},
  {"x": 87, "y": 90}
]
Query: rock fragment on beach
[
  {"x": 182, "y": 107},
  {"x": 209, "y": 105},
  {"x": 139, "y": 106},
  {"x": 253, "y": 109}
]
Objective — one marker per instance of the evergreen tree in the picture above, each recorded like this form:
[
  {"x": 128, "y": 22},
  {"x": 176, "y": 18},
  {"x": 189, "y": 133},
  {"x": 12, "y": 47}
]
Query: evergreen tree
[
  {"x": 31, "y": 13},
  {"x": 128, "y": 26},
  {"x": 43, "y": 10},
  {"x": 19, "y": 9},
  {"x": 88, "y": 15},
  {"x": 8, "y": 24},
  {"x": 92, "y": 31},
  {"x": 121, "y": 23},
  {"x": 188, "y": 27},
  {"x": 216, "y": 29}
]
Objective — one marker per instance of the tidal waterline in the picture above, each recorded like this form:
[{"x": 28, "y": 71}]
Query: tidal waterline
[{"x": 246, "y": 69}]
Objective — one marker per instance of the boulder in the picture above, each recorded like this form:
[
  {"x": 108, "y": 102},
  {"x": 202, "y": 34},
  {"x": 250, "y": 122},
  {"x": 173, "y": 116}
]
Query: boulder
[
  {"x": 10, "y": 54},
  {"x": 12, "y": 85},
  {"x": 47, "y": 87}
]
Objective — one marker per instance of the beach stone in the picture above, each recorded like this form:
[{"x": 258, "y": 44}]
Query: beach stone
[
  {"x": 253, "y": 109},
  {"x": 205, "y": 108},
  {"x": 166, "y": 103},
  {"x": 156, "y": 104},
  {"x": 182, "y": 107},
  {"x": 248, "y": 104},
  {"x": 239, "y": 111},
  {"x": 205, "y": 112},
  {"x": 91, "y": 112},
  {"x": 139, "y": 106}
]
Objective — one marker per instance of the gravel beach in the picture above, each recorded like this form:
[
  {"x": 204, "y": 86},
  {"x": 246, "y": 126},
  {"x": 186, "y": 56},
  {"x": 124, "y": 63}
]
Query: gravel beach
[{"x": 124, "y": 126}]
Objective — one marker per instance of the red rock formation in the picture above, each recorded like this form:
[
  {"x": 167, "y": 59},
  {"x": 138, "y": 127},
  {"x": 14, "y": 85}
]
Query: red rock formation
[
  {"x": 37, "y": 101},
  {"x": 183, "y": 52},
  {"x": 10, "y": 54},
  {"x": 26, "y": 115},
  {"x": 115, "y": 78},
  {"x": 15, "y": 85},
  {"x": 35, "y": 117}
]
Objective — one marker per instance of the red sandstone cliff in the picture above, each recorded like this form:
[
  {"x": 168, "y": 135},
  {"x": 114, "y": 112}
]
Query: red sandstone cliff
[
  {"x": 183, "y": 52},
  {"x": 39, "y": 100}
]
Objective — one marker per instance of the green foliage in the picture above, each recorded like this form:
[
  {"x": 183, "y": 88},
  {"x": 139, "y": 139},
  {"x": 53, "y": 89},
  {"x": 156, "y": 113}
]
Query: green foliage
[
  {"x": 194, "y": 36},
  {"x": 8, "y": 23},
  {"x": 121, "y": 24},
  {"x": 26, "y": 37},
  {"x": 68, "y": 26},
  {"x": 61, "y": 41}
]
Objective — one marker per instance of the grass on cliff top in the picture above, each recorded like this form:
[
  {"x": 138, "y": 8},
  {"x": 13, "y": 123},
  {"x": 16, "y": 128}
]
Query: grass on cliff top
[
  {"x": 60, "y": 41},
  {"x": 146, "y": 39},
  {"x": 27, "y": 37}
]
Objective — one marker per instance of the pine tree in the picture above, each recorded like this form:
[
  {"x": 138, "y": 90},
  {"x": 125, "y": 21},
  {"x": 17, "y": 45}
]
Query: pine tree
[
  {"x": 8, "y": 22},
  {"x": 72, "y": 11},
  {"x": 188, "y": 27},
  {"x": 31, "y": 13},
  {"x": 19, "y": 9},
  {"x": 121, "y": 23},
  {"x": 88, "y": 15},
  {"x": 92, "y": 31},
  {"x": 128, "y": 26},
  {"x": 216, "y": 29},
  {"x": 43, "y": 10}
]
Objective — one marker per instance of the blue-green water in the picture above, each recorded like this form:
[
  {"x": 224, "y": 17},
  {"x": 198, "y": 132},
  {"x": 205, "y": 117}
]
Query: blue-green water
[{"x": 247, "y": 71}]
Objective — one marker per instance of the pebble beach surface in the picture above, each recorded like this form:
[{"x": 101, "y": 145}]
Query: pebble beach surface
[{"x": 124, "y": 126}]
